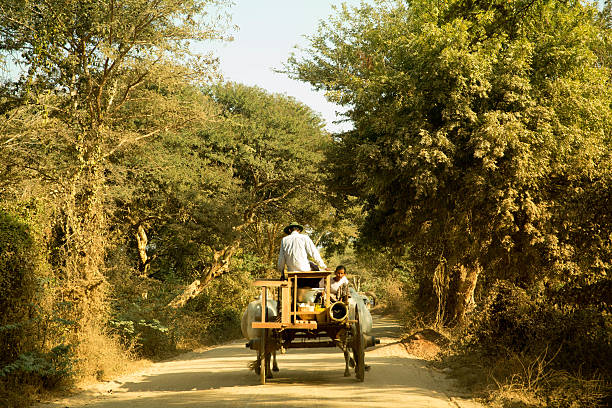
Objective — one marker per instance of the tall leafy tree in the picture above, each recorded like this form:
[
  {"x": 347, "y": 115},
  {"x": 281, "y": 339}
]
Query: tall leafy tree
[
  {"x": 482, "y": 139},
  {"x": 92, "y": 70},
  {"x": 223, "y": 187}
]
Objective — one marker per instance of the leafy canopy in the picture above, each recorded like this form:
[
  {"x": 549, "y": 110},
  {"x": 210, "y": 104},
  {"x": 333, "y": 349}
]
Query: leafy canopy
[{"x": 482, "y": 130}]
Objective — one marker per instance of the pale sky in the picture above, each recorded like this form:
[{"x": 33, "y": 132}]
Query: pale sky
[{"x": 268, "y": 32}]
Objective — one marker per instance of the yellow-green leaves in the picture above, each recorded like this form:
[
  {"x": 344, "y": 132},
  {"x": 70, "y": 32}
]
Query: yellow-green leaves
[{"x": 480, "y": 121}]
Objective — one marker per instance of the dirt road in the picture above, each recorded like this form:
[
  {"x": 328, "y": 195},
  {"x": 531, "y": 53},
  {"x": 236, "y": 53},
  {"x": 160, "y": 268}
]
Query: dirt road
[{"x": 308, "y": 378}]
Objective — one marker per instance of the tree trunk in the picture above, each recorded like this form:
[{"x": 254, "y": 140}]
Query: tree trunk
[
  {"x": 83, "y": 284},
  {"x": 142, "y": 241},
  {"x": 220, "y": 265},
  {"x": 461, "y": 293}
]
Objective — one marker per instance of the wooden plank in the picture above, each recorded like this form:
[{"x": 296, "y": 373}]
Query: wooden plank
[
  {"x": 309, "y": 274},
  {"x": 303, "y": 325},
  {"x": 271, "y": 283},
  {"x": 264, "y": 307},
  {"x": 266, "y": 325},
  {"x": 294, "y": 296},
  {"x": 276, "y": 325},
  {"x": 327, "y": 290},
  {"x": 286, "y": 304}
]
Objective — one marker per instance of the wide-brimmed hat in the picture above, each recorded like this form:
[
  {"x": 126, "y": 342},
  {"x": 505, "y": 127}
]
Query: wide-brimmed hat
[{"x": 293, "y": 224}]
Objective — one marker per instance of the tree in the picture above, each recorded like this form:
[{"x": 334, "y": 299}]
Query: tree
[
  {"x": 222, "y": 188},
  {"x": 90, "y": 88},
  {"x": 476, "y": 123}
]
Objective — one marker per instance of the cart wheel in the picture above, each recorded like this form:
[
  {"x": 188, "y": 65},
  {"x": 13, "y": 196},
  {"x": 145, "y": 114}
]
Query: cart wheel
[
  {"x": 262, "y": 356},
  {"x": 359, "y": 352}
]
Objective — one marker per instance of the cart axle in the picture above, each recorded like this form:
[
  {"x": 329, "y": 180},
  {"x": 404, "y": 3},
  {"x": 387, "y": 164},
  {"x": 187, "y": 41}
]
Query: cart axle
[{"x": 311, "y": 344}]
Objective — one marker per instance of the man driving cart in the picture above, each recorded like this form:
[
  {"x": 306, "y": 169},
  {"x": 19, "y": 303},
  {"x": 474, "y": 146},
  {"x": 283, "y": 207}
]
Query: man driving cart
[
  {"x": 295, "y": 249},
  {"x": 287, "y": 316}
]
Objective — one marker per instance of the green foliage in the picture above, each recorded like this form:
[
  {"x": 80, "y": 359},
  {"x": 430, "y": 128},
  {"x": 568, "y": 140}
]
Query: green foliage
[
  {"x": 147, "y": 337},
  {"x": 145, "y": 324},
  {"x": 16, "y": 246},
  {"x": 482, "y": 151},
  {"x": 542, "y": 344},
  {"x": 482, "y": 134},
  {"x": 17, "y": 285},
  {"x": 219, "y": 181},
  {"x": 49, "y": 368},
  {"x": 33, "y": 329},
  {"x": 511, "y": 320},
  {"x": 98, "y": 77},
  {"x": 139, "y": 316}
]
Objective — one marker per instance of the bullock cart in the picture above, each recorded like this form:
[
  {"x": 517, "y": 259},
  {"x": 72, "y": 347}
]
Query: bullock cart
[{"x": 299, "y": 314}]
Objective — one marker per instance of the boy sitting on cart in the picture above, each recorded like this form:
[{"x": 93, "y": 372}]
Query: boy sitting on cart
[{"x": 339, "y": 285}]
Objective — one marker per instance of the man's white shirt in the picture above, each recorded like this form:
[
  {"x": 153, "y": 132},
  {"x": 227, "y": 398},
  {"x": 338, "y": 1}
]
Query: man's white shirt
[{"x": 294, "y": 252}]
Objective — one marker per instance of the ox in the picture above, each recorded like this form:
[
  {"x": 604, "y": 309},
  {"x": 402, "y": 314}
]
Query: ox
[{"x": 253, "y": 314}]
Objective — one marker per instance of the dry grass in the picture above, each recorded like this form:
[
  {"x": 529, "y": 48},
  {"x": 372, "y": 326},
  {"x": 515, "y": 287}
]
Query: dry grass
[
  {"x": 529, "y": 380},
  {"x": 520, "y": 372},
  {"x": 190, "y": 333},
  {"x": 395, "y": 300},
  {"x": 514, "y": 399},
  {"x": 565, "y": 390},
  {"x": 101, "y": 357},
  {"x": 569, "y": 392},
  {"x": 97, "y": 357},
  {"x": 522, "y": 381}
]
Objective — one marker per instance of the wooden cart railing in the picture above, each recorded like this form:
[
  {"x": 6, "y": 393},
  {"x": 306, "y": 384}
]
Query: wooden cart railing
[{"x": 289, "y": 312}]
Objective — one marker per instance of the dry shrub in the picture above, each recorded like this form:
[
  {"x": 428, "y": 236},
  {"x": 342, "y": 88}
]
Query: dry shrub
[
  {"x": 569, "y": 391},
  {"x": 522, "y": 381},
  {"x": 536, "y": 352},
  {"x": 13, "y": 397},
  {"x": 143, "y": 321},
  {"x": 101, "y": 356},
  {"x": 524, "y": 372},
  {"x": 400, "y": 298},
  {"x": 394, "y": 298},
  {"x": 214, "y": 316},
  {"x": 512, "y": 398}
]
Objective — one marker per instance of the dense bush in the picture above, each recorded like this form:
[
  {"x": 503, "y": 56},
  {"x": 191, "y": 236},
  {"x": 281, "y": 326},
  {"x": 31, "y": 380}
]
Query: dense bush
[
  {"x": 17, "y": 286},
  {"x": 538, "y": 343},
  {"x": 148, "y": 327},
  {"x": 219, "y": 309},
  {"x": 49, "y": 368},
  {"x": 140, "y": 332},
  {"x": 139, "y": 316},
  {"x": 33, "y": 353},
  {"x": 512, "y": 320}
]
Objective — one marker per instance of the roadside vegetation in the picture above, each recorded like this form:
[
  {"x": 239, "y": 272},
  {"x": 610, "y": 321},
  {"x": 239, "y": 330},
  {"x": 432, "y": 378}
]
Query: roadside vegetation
[
  {"x": 482, "y": 157},
  {"x": 140, "y": 194},
  {"x": 128, "y": 172}
]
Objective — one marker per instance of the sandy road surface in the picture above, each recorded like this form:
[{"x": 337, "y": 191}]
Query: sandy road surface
[{"x": 308, "y": 378}]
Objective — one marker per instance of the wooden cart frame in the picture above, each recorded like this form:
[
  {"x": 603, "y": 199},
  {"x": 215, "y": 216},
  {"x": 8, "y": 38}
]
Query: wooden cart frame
[{"x": 293, "y": 324}]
